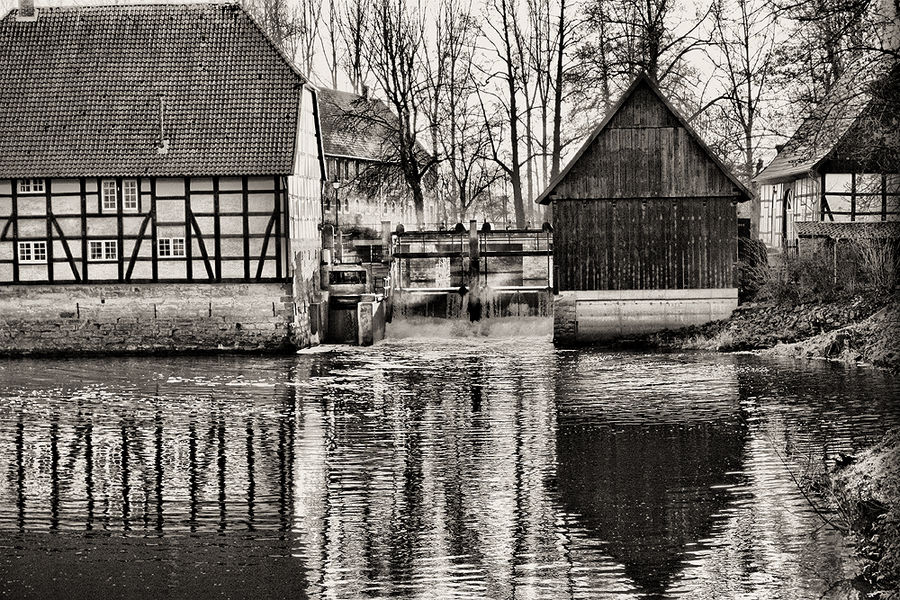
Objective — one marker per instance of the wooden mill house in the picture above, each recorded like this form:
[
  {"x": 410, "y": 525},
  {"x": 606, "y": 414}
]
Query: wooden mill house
[
  {"x": 155, "y": 144},
  {"x": 838, "y": 177},
  {"x": 644, "y": 225}
]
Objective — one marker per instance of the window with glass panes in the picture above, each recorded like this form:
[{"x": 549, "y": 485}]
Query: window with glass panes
[
  {"x": 32, "y": 252},
  {"x": 108, "y": 194},
  {"x": 103, "y": 250},
  {"x": 31, "y": 186},
  {"x": 168, "y": 247},
  {"x": 130, "y": 194}
]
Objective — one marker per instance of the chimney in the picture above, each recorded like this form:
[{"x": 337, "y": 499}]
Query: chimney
[
  {"x": 26, "y": 11},
  {"x": 365, "y": 91}
]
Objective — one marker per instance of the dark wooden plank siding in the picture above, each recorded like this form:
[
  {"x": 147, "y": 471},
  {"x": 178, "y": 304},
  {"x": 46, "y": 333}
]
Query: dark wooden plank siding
[
  {"x": 644, "y": 152},
  {"x": 652, "y": 244}
]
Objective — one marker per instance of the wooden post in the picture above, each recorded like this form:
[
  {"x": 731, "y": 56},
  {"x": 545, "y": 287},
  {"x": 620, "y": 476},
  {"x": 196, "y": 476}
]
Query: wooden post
[
  {"x": 386, "y": 249},
  {"x": 852, "y": 196},
  {"x": 474, "y": 253}
]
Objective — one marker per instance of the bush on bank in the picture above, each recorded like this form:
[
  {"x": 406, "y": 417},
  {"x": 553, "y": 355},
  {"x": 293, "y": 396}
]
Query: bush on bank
[{"x": 868, "y": 493}]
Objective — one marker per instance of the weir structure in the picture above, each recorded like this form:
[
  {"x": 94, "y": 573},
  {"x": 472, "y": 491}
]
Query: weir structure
[
  {"x": 469, "y": 273},
  {"x": 473, "y": 273}
]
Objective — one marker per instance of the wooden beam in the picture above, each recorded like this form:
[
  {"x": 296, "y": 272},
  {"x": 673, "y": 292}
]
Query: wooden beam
[
  {"x": 265, "y": 247},
  {"x": 66, "y": 249},
  {"x": 853, "y": 196},
  {"x": 120, "y": 231},
  {"x": 48, "y": 212},
  {"x": 245, "y": 205},
  {"x": 82, "y": 194},
  {"x": 188, "y": 244},
  {"x": 137, "y": 246},
  {"x": 883, "y": 197},
  {"x": 154, "y": 251},
  {"x": 288, "y": 252},
  {"x": 217, "y": 231},
  {"x": 206, "y": 262},
  {"x": 276, "y": 214},
  {"x": 14, "y": 216}
]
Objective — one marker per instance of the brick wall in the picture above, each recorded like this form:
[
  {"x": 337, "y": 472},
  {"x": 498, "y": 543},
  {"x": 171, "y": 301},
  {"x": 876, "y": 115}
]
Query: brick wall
[{"x": 150, "y": 317}]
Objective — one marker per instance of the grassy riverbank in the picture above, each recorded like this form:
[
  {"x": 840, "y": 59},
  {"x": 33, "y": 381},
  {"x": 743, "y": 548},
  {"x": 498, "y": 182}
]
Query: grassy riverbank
[
  {"x": 867, "y": 494},
  {"x": 857, "y": 329},
  {"x": 809, "y": 307}
]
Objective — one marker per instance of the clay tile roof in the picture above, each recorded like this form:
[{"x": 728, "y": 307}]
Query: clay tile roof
[
  {"x": 355, "y": 126},
  {"x": 82, "y": 91},
  {"x": 829, "y": 123}
]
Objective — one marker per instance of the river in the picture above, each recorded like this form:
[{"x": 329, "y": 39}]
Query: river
[{"x": 427, "y": 468}]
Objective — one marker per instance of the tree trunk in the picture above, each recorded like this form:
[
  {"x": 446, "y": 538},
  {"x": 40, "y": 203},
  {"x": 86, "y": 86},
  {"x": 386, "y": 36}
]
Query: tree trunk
[{"x": 557, "y": 96}]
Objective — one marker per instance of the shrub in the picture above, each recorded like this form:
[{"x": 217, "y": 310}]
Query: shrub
[
  {"x": 879, "y": 261},
  {"x": 802, "y": 278},
  {"x": 752, "y": 268}
]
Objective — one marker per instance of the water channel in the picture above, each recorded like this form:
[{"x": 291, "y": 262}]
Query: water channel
[{"x": 425, "y": 468}]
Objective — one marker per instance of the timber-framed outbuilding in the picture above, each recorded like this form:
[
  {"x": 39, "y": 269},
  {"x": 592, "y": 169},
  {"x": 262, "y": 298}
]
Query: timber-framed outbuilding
[{"x": 838, "y": 176}]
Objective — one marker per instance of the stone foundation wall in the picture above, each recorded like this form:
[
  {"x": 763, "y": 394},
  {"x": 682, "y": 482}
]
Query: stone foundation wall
[
  {"x": 564, "y": 324},
  {"x": 149, "y": 317},
  {"x": 610, "y": 315}
]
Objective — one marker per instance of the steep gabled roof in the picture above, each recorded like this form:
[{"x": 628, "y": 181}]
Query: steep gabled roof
[
  {"x": 91, "y": 91},
  {"x": 833, "y": 124},
  {"x": 642, "y": 81}
]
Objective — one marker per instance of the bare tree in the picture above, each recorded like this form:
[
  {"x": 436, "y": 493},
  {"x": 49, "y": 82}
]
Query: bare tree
[
  {"x": 503, "y": 20},
  {"x": 743, "y": 41},
  {"x": 395, "y": 54},
  {"x": 292, "y": 25},
  {"x": 826, "y": 38},
  {"x": 330, "y": 41},
  {"x": 356, "y": 27}
]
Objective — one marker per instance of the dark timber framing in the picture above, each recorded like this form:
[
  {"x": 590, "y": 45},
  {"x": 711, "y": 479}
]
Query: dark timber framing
[
  {"x": 188, "y": 242},
  {"x": 82, "y": 194},
  {"x": 70, "y": 216},
  {"x": 154, "y": 251},
  {"x": 48, "y": 212}
]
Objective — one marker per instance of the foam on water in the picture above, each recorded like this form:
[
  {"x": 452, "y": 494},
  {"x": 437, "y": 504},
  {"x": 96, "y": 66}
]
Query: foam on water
[{"x": 506, "y": 327}]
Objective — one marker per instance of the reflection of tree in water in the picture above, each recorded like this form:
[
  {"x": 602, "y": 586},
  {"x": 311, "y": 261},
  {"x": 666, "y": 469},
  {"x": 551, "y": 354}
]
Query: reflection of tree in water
[{"x": 649, "y": 484}]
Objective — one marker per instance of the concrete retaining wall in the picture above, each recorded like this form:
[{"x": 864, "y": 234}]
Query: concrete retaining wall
[
  {"x": 150, "y": 317},
  {"x": 604, "y": 315}
]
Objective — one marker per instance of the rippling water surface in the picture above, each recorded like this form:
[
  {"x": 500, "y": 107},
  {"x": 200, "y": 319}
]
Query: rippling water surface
[{"x": 499, "y": 468}]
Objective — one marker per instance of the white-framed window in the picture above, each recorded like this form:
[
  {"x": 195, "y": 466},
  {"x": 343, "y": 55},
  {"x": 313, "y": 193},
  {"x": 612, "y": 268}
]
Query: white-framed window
[
  {"x": 103, "y": 250},
  {"x": 169, "y": 247},
  {"x": 31, "y": 186},
  {"x": 108, "y": 194},
  {"x": 130, "y": 194},
  {"x": 32, "y": 252}
]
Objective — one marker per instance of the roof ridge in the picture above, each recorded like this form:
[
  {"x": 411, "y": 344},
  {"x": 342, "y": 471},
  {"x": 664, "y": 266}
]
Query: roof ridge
[
  {"x": 641, "y": 77},
  {"x": 135, "y": 4}
]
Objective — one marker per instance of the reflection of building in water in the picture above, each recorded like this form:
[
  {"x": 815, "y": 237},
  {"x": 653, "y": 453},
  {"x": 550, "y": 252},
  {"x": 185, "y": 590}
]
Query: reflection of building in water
[
  {"x": 649, "y": 479},
  {"x": 423, "y": 471}
]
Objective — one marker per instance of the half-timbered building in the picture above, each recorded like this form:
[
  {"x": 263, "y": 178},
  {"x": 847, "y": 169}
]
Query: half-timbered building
[
  {"x": 644, "y": 225},
  {"x": 358, "y": 133},
  {"x": 154, "y": 144},
  {"x": 838, "y": 176}
]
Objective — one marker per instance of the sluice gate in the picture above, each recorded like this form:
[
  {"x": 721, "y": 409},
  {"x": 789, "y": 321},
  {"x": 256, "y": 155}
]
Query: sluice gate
[
  {"x": 369, "y": 279},
  {"x": 473, "y": 273}
]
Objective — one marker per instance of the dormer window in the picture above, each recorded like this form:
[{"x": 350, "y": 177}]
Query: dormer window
[{"x": 31, "y": 186}]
